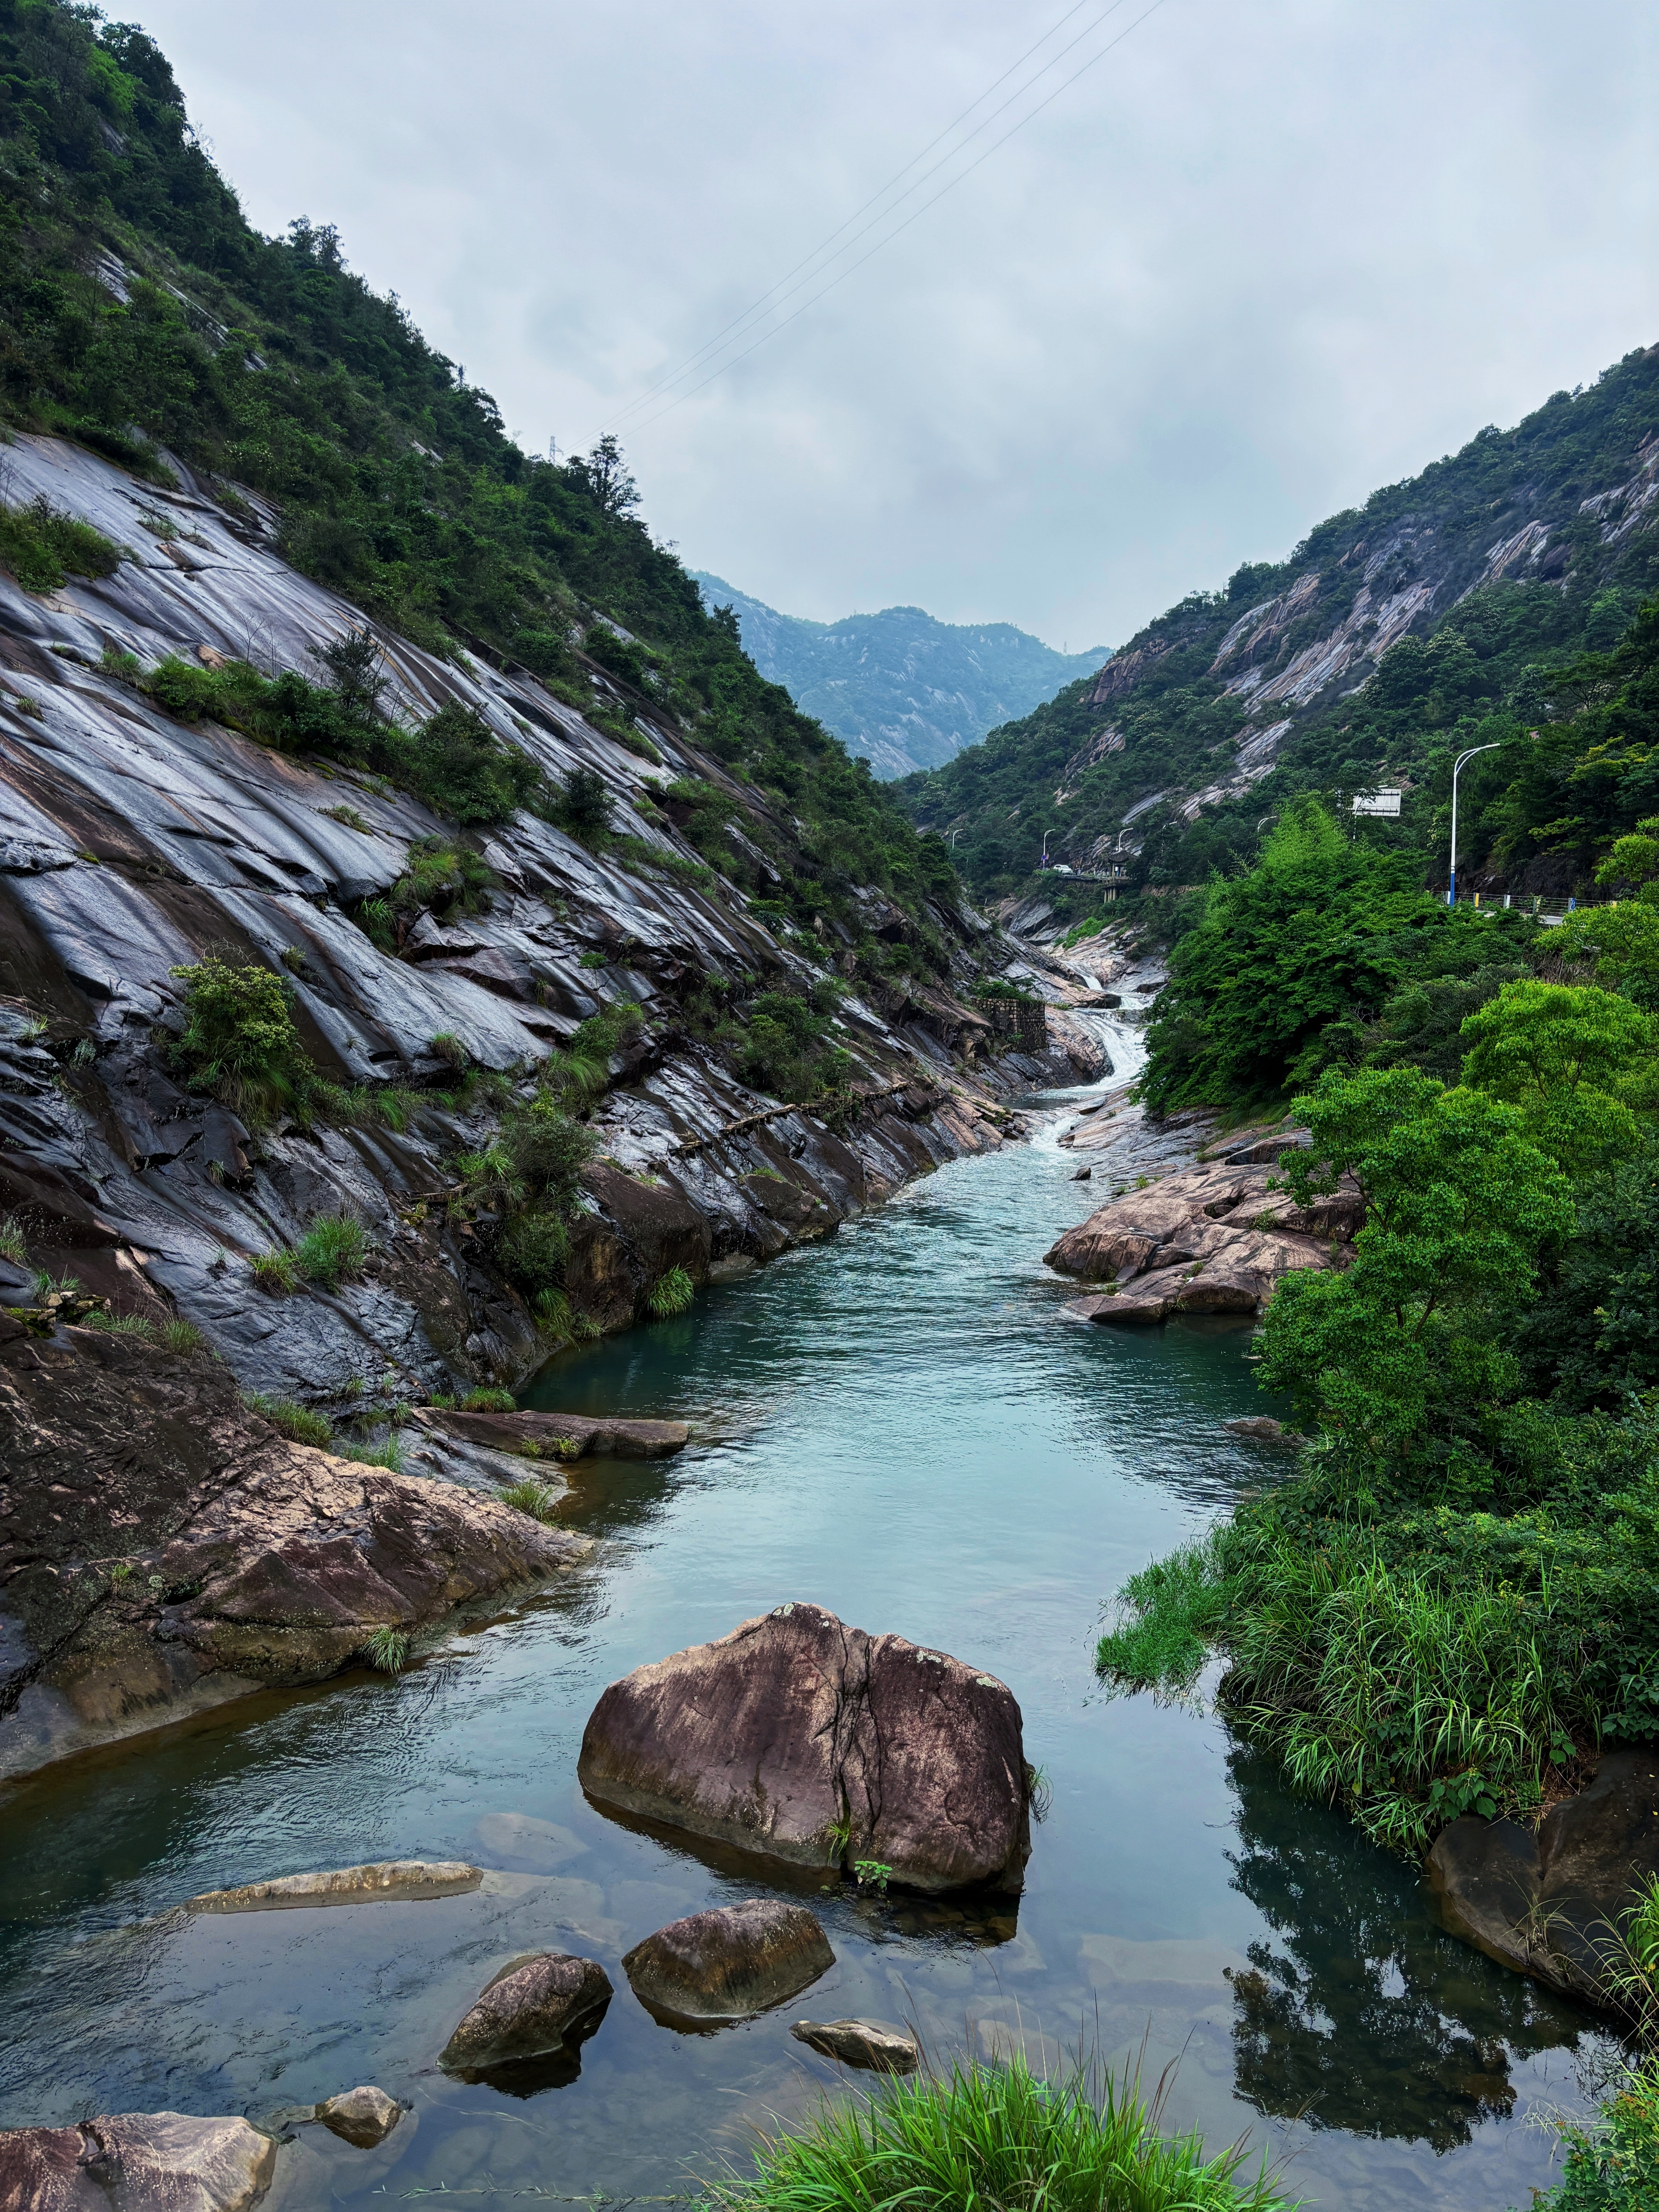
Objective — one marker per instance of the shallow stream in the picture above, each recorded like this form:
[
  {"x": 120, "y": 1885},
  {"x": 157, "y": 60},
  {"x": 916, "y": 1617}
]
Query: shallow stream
[{"x": 900, "y": 1425}]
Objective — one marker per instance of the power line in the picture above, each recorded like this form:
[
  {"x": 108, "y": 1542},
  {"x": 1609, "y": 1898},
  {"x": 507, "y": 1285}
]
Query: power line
[
  {"x": 784, "y": 289},
  {"x": 915, "y": 216}
]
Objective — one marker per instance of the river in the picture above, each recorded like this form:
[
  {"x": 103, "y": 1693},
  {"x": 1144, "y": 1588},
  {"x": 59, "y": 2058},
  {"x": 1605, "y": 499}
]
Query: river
[{"x": 898, "y": 1424}]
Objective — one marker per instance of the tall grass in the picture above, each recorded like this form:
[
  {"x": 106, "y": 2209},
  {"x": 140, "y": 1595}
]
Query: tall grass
[
  {"x": 1000, "y": 2138},
  {"x": 332, "y": 1250}
]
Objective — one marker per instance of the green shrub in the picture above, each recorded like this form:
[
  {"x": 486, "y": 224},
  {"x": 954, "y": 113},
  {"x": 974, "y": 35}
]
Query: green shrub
[
  {"x": 544, "y": 652},
  {"x": 240, "y": 1043},
  {"x": 440, "y": 879},
  {"x": 332, "y": 1250},
  {"x": 1613, "y": 2164},
  {"x": 275, "y": 1272},
  {"x": 531, "y": 1497},
  {"x": 296, "y": 1421},
  {"x": 387, "y": 1651},
  {"x": 994, "y": 2137},
  {"x": 180, "y": 1336},
  {"x": 584, "y": 805},
  {"x": 671, "y": 1294},
  {"x": 449, "y": 1047},
  {"x": 40, "y": 544},
  {"x": 784, "y": 1049},
  {"x": 461, "y": 768}
]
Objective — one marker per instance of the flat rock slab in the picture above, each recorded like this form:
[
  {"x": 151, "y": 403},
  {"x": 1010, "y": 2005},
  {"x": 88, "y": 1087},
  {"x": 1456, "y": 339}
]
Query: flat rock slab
[
  {"x": 1551, "y": 1906},
  {"x": 591, "y": 1438},
  {"x": 800, "y": 1738},
  {"x": 139, "y": 2161},
  {"x": 360, "y": 1885},
  {"x": 728, "y": 1963},
  {"x": 533, "y": 2006},
  {"x": 875, "y": 2045},
  {"x": 363, "y": 2117}
]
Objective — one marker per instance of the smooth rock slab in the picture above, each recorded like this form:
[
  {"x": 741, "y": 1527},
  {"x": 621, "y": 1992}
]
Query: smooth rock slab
[
  {"x": 533, "y": 2008},
  {"x": 873, "y": 2045},
  {"x": 363, "y": 2116},
  {"x": 727, "y": 1963},
  {"x": 780, "y": 1735},
  {"x": 138, "y": 2161},
  {"x": 385, "y": 1879}
]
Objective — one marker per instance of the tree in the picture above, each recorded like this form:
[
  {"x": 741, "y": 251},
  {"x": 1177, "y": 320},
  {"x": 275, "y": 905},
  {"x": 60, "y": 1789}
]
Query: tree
[
  {"x": 1575, "y": 1059},
  {"x": 584, "y": 803},
  {"x": 603, "y": 474},
  {"x": 1402, "y": 1349},
  {"x": 355, "y": 665}
]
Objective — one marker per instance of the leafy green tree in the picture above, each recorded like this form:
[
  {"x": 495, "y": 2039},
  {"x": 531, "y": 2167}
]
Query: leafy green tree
[
  {"x": 1621, "y": 941},
  {"x": 1575, "y": 1059},
  {"x": 1402, "y": 1350}
]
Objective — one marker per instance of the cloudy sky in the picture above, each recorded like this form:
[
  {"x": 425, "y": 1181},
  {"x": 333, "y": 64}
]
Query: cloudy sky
[{"x": 1254, "y": 261}]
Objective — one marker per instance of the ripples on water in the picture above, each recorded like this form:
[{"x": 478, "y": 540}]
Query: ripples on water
[{"x": 898, "y": 1424}]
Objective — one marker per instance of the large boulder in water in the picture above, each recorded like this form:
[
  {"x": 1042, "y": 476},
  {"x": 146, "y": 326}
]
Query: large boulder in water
[
  {"x": 800, "y": 1738},
  {"x": 728, "y": 1963},
  {"x": 140, "y": 2161},
  {"x": 533, "y": 2008}
]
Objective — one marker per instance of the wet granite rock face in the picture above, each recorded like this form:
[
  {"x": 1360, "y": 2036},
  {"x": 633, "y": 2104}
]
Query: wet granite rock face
[
  {"x": 532, "y": 2008},
  {"x": 381, "y": 1882},
  {"x": 800, "y": 1738},
  {"x": 1551, "y": 1906},
  {"x": 162, "y": 1549},
  {"x": 728, "y": 1963},
  {"x": 138, "y": 2162},
  {"x": 562, "y": 1436}
]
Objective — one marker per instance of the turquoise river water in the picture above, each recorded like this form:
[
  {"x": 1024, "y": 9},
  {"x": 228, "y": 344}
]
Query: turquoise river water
[{"x": 900, "y": 1425}]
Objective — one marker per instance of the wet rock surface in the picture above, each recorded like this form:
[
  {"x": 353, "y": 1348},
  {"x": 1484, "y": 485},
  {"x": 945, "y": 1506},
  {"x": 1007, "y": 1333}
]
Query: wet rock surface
[
  {"x": 562, "y": 1436},
  {"x": 163, "y": 1548},
  {"x": 875, "y": 2046},
  {"x": 138, "y": 2162},
  {"x": 533, "y": 2009},
  {"x": 362, "y": 2117},
  {"x": 385, "y": 1880},
  {"x": 800, "y": 1738},
  {"x": 1551, "y": 1906},
  {"x": 728, "y": 1963}
]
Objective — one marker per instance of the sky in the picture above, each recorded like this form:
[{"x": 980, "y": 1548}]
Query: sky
[{"x": 1254, "y": 262}]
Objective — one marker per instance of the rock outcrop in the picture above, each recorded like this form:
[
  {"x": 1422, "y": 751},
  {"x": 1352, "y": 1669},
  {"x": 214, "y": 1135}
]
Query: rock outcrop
[
  {"x": 362, "y": 2117},
  {"x": 163, "y": 1548},
  {"x": 800, "y": 1738},
  {"x": 874, "y": 2045},
  {"x": 139, "y": 2162},
  {"x": 727, "y": 1963},
  {"x": 561, "y": 1436},
  {"x": 1207, "y": 1237},
  {"x": 384, "y": 1880},
  {"x": 1551, "y": 1905},
  {"x": 532, "y": 2009}
]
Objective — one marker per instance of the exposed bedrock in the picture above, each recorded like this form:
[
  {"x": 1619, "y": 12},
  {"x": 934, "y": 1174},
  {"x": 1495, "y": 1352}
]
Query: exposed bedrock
[
  {"x": 564, "y": 1436},
  {"x": 1552, "y": 1905},
  {"x": 801, "y": 1739},
  {"x": 162, "y": 1549},
  {"x": 139, "y": 2161},
  {"x": 728, "y": 1963}
]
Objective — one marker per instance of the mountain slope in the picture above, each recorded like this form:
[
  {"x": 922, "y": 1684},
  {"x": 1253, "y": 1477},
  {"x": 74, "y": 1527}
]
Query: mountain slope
[
  {"x": 900, "y": 689},
  {"x": 1394, "y": 636}
]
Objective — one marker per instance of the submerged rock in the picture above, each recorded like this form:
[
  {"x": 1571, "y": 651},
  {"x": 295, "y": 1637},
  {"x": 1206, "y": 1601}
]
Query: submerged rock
[
  {"x": 138, "y": 2161},
  {"x": 533, "y": 2007},
  {"x": 1551, "y": 1906},
  {"x": 563, "y": 1436},
  {"x": 800, "y": 1738},
  {"x": 388, "y": 1880},
  {"x": 728, "y": 1963},
  {"x": 873, "y": 2045},
  {"x": 362, "y": 2117},
  {"x": 1262, "y": 1429}
]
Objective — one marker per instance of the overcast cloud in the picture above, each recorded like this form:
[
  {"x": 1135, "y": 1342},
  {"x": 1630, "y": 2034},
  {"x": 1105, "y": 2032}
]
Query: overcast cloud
[{"x": 1258, "y": 260}]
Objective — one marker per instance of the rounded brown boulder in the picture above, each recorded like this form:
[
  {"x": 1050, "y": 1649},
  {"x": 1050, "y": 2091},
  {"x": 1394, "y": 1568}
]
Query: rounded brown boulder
[
  {"x": 728, "y": 1963},
  {"x": 534, "y": 2007},
  {"x": 142, "y": 2161},
  {"x": 803, "y": 1739}
]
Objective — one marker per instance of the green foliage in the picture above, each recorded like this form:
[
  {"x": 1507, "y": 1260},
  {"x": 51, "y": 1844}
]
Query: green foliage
[
  {"x": 442, "y": 879},
  {"x": 294, "y": 1420},
  {"x": 1171, "y": 1612},
  {"x": 40, "y": 546},
  {"x": 536, "y": 1499},
  {"x": 584, "y": 805},
  {"x": 461, "y": 768},
  {"x": 13, "y": 1244},
  {"x": 1613, "y": 2165},
  {"x": 387, "y": 1651},
  {"x": 994, "y": 2135},
  {"x": 671, "y": 1295},
  {"x": 488, "y": 1400},
  {"x": 1574, "y": 1058},
  {"x": 332, "y": 1250},
  {"x": 276, "y": 1271},
  {"x": 389, "y": 1454},
  {"x": 239, "y": 1042},
  {"x": 784, "y": 1048}
]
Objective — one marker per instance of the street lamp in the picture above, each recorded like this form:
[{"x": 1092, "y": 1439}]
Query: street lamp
[{"x": 1457, "y": 769}]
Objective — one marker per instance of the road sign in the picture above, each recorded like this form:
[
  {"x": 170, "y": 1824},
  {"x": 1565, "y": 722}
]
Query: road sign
[{"x": 1378, "y": 802}]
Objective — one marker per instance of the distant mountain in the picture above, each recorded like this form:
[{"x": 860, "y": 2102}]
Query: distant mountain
[{"x": 903, "y": 690}]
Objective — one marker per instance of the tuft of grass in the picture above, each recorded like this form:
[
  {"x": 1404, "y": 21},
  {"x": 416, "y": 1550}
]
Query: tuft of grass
[
  {"x": 296, "y": 1421},
  {"x": 46, "y": 1282},
  {"x": 40, "y": 544},
  {"x": 531, "y": 1497},
  {"x": 449, "y": 1048},
  {"x": 996, "y": 2137},
  {"x": 1174, "y": 1609},
  {"x": 489, "y": 1398},
  {"x": 180, "y": 1336},
  {"x": 1040, "y": 1791},
  {"x": 332, "y": 1250},
  {"x": 14, "y": 1245},
  {"x": 671, "y": 1294},
  {"x": 121, "y": 1325},
  {"x": 387, "y": 1651},
  {"x": 275, "y": 1272},
  {"x": 347, "y": 815},
  {"x": 389, "y": 1454}
]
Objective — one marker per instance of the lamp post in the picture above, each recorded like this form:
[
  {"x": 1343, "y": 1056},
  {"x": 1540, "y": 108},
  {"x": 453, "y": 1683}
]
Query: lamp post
[{"x": 1457, "y": 769}]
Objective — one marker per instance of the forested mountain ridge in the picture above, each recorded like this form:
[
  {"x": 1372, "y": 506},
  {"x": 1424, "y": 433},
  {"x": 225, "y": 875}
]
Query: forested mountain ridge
[
  {"x": 901, "y": 688},
  {"x": 1393, "y": 636}
]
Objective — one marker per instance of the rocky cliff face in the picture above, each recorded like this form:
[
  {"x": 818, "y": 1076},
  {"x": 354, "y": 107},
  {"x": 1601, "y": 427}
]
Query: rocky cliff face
[{"x": 131, "y": 844}]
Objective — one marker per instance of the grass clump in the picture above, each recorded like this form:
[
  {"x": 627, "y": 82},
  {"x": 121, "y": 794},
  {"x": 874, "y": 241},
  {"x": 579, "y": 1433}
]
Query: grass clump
[
  {"x": 489, "y": 1398},
  {"x": 671, "y": 1295},
  {"x": 13, "y": 1244},
  {"x": 40, "y": 545},
  {"x": 389, "y": 1454},
  {"x": 387, "y": 1651},
  {"x": 180, "y": 1337},
  {"x": 332, "y": 1251},
  {"x": 531, "y": 1497},
  {"x": 441, "y": 878},
  {"x": 996, "y": 2137},
  {"x": 297, "y": 1422},
  {"x": 275, "y": 1272}
]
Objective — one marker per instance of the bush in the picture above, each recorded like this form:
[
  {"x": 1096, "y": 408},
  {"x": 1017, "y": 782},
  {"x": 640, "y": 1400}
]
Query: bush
[
  {"x": 13, "y": 1244},
  {"x": 296, "y": 1421},
  {"x": 239, "y": 1042},
  {"x": 39, "y": 545},
  {"x": 785, "y": 1049},
  {"x": 1612, "y": 2165},
  {"x": 461, "y": 768},
  {"x": 332, "y": 1250},
  {"x": 440, "y": 878},
  {"x": 584, "y": 805},
  {"x": 671, "y": 1295},
  {"x": 995, "y": 2136},
  {"x": 387, "y": 1651}
]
